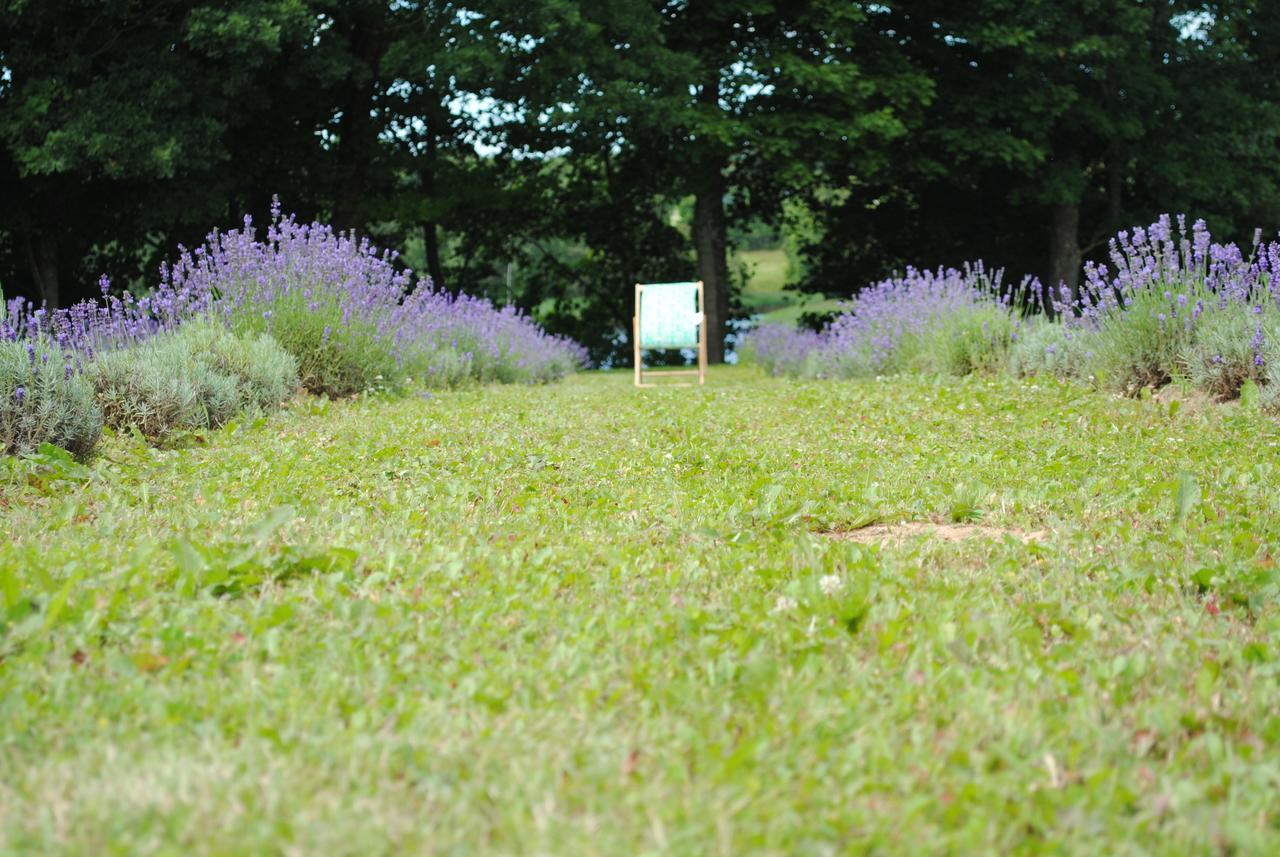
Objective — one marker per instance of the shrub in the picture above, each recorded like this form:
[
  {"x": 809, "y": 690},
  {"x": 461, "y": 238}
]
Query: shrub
[
  {"x": 974, "y": 339},
  {"x": 1233, "y": 345},
  {"x": 88, "y": 328},
  {"x": 266, "y": 374},
  {"x": 329, "y": 300},
  {"x": 44, "y": 400},
  {"x": 447, "y": 340},
  {"x": 197, "y": 377},
  {"x": 1045, "y": 347},
  {"x": 1148, "y": 309},
  {"x": 782, "y": 349},
  {"x": 950, "y": 321},
  {"x": 352, "y": 320},
  {"x": 1270, "y": 393},
  {"x": 1142, "y": 346},
  {"x": 338, "y": 353}
]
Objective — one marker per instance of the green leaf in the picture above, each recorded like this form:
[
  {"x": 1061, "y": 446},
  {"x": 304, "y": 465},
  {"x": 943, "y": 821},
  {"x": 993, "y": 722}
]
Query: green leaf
[
  {"x": 10, "y": 587},
  {"x": 1249, "y": 395},
  {"x": 189, "y": 560},
  {"x": 272, "y": 522},
  {"x": 1187, "y": 497}
]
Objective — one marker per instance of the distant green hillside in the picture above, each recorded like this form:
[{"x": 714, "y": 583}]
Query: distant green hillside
[{"x": 764, "y": 293}]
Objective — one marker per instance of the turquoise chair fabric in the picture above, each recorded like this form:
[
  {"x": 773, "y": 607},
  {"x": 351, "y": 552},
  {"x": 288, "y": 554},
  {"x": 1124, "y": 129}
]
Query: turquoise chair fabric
[{"x": 669, "y": 316}]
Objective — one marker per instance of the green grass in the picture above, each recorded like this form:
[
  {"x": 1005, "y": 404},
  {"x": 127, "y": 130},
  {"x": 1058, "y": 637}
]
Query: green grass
[{"x": 546, "y": 620}]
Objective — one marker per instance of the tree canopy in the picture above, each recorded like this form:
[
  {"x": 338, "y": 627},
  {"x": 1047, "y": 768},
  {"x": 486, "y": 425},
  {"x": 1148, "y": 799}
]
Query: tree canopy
[{"x": 553, "y": 154}]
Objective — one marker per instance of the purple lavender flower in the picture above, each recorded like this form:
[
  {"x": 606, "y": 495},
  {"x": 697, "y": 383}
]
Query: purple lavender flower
[
  {"x": 867, "y": 337},
  {"x": 332, "y": 273},
  {"x": 1154, "y": 263}
]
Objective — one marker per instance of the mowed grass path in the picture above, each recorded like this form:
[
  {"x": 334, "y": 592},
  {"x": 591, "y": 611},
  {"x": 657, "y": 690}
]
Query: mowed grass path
[{"x": 582, "y": 619}]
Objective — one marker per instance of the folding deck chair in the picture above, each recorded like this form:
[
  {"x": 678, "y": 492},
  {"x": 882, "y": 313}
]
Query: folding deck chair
[{"x": 669, "y": 316}]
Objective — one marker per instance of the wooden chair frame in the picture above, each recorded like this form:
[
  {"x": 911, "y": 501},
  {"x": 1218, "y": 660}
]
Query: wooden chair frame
[{"x": 701, "y": 371}]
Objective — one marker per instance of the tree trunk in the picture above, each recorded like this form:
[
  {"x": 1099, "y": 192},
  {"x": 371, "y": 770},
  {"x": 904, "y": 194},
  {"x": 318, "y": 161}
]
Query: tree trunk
[
  {"x": 431, "y": 237},
  {"x": 1064, "y": 251},
  {"x": 710, "y": 237},
  {"x": 42, "y": 259},
  {"x": 357, "y": 133},
  {"x": 354, "y": 154},
  {"x": 710, "y": 231},
  {"x": 431, "y": 230}
]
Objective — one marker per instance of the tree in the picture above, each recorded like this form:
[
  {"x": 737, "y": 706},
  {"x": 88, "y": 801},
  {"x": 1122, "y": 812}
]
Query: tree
[
  {"x": 118, "y": 121},
  {"x": 739, "y": 105},
  {"x": 1055, "y": 124}
]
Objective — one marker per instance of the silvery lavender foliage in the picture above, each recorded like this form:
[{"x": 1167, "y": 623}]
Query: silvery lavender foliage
[
  {"x": 944, "y": 320},
  {"x": 198, "y": 377},
  {"x": 42, "y": 401}
]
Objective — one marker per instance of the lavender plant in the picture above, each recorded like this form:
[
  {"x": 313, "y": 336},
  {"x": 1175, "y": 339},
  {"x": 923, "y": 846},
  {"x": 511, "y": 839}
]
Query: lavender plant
[
  {"x": 353, "y": 320},
  {"x": 949, "y": 321},
  {"x": 197, "y": 377},
  {"x": 1233, "y": 346},
  {"x": 44, "y": 400},
  {"x": 1045, "y": 347},
  {"x": 448, "y": 340},
  {"x": 1174, "y": 304},
  {"x": 89, "y": 328},
  {"x": 346, "y": 318},
  {"x": 782, "y": 349},
  {"x": 329, "y": 299},
  {"x": 347, "y": 314}
]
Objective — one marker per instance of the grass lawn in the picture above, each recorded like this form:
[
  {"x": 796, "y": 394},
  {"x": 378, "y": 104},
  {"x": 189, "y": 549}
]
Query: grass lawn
[{"x": 585, "y": 619}]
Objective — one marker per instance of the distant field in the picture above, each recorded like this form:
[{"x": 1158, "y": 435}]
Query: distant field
[{"x": 764, "y": 293}]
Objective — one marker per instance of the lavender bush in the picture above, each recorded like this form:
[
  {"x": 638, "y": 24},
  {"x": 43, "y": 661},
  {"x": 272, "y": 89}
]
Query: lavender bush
[
  {"x": 330, "y": 300},
  {"x": 1046, "y": 347},
  {"x": 783, "y": 350},
  {"x": 1174, "y": 304},
  {"x": 197, "y": 377},
  {"x": 345, "y": 316},
  {"x": 352, "y": 320},
  {"x": 448, "y": 340},
  {"x": 1233, "y": 346},
  {"x": 44, "y": 400},
  {"x": 89, "y": 328},
  {"x": 949, "y": 321}
]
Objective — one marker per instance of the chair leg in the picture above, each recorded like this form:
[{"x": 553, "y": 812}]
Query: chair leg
[
  {"x": 635, "y": 338},
  {"x": 702, "y": 337}
]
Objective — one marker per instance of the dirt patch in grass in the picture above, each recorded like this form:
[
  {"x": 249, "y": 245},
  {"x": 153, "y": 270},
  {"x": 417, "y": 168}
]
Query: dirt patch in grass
[
  {"x": 1190, "y": 400},
  {"x": 896, "y": 533}
]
